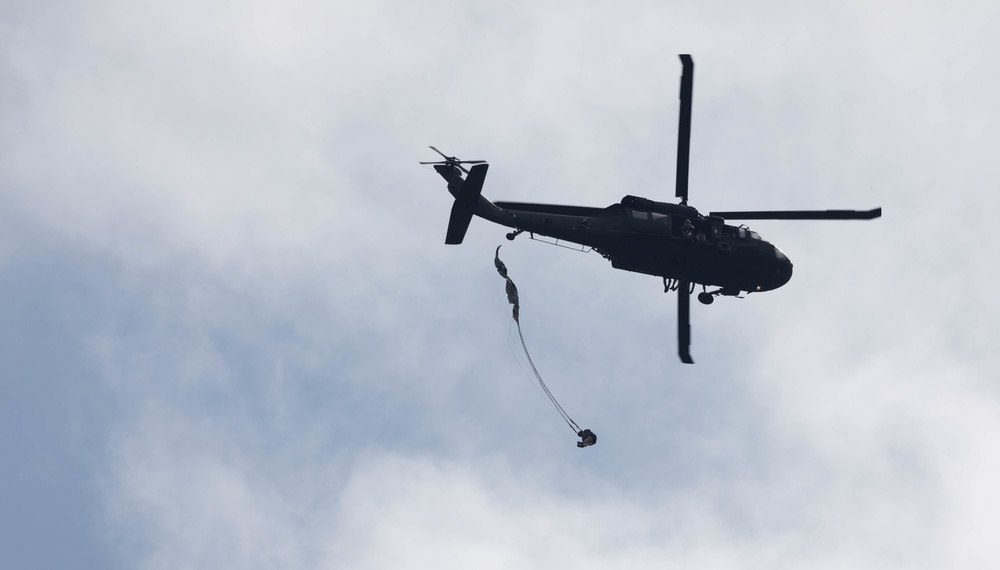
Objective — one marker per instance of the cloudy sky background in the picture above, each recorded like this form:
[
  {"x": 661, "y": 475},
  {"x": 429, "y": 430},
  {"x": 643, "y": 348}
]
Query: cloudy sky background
[{"x": 233, "y": 336}]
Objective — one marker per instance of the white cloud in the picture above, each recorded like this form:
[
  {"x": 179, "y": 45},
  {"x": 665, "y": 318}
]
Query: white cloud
[
  {"x": 300, "y": 373},
  {"x": 414, "y": 511}
]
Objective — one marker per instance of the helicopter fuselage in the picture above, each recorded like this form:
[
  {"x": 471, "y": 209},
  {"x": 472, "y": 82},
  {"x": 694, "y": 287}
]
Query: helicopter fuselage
[
  {"x": 656, "y": 238},
  {"x": 640, "y": 235}
]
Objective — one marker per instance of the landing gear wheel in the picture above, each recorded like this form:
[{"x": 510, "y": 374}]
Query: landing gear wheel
[
  {"x": 511, "y": 236},
  {"x": 706, "y": 298}
]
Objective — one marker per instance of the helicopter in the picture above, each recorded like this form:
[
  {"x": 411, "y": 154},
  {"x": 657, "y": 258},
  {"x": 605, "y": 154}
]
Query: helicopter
[{"x": 672, "y": 241}]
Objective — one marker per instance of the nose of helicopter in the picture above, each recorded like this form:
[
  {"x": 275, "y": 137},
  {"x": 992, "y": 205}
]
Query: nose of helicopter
[
  {"x": 779, "y": 272},
  {"x": 782, "y": 269},
  {"x": 784, "y": 273}
]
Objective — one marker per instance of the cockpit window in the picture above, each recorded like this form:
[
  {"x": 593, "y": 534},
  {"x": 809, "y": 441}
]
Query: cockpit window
[{"x": 748, "y": 233}]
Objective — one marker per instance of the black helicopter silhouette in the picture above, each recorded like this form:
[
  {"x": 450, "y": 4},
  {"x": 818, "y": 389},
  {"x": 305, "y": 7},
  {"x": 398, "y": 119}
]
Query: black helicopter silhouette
[{"x": 672, "y": 241}]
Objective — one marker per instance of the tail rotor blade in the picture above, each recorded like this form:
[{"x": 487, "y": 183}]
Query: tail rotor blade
[
  {"x": 457, "y": 165},
  {"x": 453, "y": 161}
]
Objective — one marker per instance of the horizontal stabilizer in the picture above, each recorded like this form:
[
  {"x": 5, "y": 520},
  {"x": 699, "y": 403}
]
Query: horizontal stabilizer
[
  {"x": 465, "y": 199},
  {"x": 458, "y": 224}
]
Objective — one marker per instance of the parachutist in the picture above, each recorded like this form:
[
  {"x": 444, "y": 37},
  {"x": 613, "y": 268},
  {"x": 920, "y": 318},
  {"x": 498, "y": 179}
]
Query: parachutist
[{"x": 587, "y": 437}]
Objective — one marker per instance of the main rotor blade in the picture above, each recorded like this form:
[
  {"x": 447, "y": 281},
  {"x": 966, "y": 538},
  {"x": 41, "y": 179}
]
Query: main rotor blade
[
  {"x": 684, "y": 322},
  {"x": 684, "y": 127},
  {"x": 801, "y": 214}
]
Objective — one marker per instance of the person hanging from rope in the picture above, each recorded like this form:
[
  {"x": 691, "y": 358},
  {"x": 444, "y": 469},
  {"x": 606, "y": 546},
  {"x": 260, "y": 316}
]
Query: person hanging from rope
[{"x": 588, "y": 437}]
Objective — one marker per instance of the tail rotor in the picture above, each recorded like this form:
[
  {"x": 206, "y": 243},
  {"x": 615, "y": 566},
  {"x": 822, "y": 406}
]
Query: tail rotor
[{"x": 454, "y": 162}]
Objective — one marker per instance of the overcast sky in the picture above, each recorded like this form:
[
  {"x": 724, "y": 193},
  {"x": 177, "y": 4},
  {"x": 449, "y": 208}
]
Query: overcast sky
[{"x": 233, "y": 336}]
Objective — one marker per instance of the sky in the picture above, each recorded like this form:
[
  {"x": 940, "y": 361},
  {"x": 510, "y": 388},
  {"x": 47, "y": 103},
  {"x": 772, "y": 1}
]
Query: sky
[{"x": 233, "y": 336}]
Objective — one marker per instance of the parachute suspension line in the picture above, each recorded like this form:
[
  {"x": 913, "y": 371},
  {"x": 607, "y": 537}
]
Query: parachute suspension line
[
  {"x": 555, "y": 403},
  {"x": 512, "y": 298},
  {"x": 519, "y": 357}
]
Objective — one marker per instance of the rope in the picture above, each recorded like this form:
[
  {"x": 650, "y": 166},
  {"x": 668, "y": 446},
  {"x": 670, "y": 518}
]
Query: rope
[
  {"x": 555, "y": 403},
  {"x": 512, "y": 298}
]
